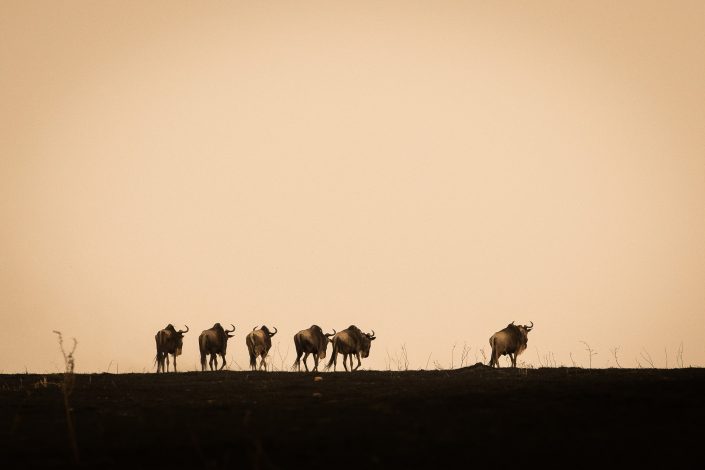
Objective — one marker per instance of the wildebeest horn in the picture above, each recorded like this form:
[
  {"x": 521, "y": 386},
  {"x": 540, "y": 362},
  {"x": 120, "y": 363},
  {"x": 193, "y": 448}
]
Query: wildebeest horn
[
  {"x": 230, "y": 331},
  {"x": 529, "y": 327},
  {"x": 275, "y": 331},
  {"x": 184, "y": 331},
  {"x": 331, "y": 334},
  {"x": 371, "y": 336},
  {"x": 253, "y": 329}
]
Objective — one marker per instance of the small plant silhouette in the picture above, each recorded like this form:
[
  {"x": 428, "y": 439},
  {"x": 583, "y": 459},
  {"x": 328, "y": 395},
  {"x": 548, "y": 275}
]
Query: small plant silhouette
[
  {"x": 679, "y": 356},
  {"x": 647, "y": 358},
  {"x": 67, "y": 386},
  {"x": 591, "y": 352},
  {"x": 464, "y": 356},
  {"x": 400, "y": 360},
  {"x": 614, "y": 352}
]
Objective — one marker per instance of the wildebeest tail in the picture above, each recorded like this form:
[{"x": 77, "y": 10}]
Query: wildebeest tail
[
  {"x": 492, "y": 352},
  {"x": 202, "y": 349},
  {"x": 251, "y": 350},
  {"x": 299, "y": 351},
  {"x": 157, "y": 357},
  {"x": 333, "y": 354}
]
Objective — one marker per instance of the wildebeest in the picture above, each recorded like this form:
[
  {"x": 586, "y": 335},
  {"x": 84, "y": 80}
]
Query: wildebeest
[
  {"x": 258, "y": 344},
  {"x": 350, "y": 342},
  {"x": 511, "y": 341},
  {"x": 311, "y": 341},
  {"x": 169, "y": 341},
  {"x": 214, "y": 341}
]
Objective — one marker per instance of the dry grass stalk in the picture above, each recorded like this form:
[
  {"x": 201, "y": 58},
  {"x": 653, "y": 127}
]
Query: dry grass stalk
[
  {"x": 400, "y": 361},
  {"x": 67, "y": 386},
  {"x": 614, "y": 352},
  {"x": 647, "y": 358},
  {"x": 464, "y": 355},
  {"x": 591, "y": 352}
]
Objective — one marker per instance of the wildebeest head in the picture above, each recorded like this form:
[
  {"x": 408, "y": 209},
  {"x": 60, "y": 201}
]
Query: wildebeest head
[
  {"x": 267, "y": 332},
  {"x": 367, "y": 339},
  {"x": 224, "y": 336},
  {"x": 223, "y": 332},
  {"x": 177, "y": 337},
  {"x": 523, "y": 331}
]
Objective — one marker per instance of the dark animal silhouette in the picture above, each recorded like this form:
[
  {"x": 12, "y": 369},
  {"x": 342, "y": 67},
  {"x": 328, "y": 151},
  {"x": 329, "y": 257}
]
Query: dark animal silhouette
[
  {"x": 169, "y": 341},
  {"x": 214, "y": 342},
  {"x": 510, "y": 341},
  {"x": 258, "y": 344},
  {"x": 351, "y": 342},
  {"x": 311, "y": 341}
]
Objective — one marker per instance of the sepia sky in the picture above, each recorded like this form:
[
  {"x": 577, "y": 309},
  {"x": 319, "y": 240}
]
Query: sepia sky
[{"x": 429, "y": 170}]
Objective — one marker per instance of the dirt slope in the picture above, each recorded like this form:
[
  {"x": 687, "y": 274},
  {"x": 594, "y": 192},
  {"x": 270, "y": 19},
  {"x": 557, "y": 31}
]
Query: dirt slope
[{"x": 467, "y": 417}]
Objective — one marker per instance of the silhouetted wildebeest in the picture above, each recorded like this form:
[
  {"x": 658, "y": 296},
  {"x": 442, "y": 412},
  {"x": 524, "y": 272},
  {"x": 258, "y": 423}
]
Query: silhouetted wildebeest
[
  {"x": 311, "y": 341},
  {"x": 350, "y": 342},
  {"x": 169, "y": 341},
  {"x": 510, "y": 341},
  {"x": 258, "y": 344},
  {"x": 214, "y": 341}
]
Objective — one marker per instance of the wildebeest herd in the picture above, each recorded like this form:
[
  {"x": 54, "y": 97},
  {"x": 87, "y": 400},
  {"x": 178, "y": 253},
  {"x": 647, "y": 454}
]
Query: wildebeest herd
[{"x": 350, "y": 342}]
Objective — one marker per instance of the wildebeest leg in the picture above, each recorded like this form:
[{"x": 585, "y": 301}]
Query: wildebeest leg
[
  {"x": 167, "y": 361},
  {"x": 222, "y": 356},
  {"x": 174, "y": 362},
  {"x": 359, "y": 362},
  {"x": 305, "y": 358},
  {"x": 315, "y": 363},
  {"x": 213, "y": 362},
  {"x": 345, "y": 361},
  {"x": 203, "y": 362},
  {"x": 514, "y": 360}
]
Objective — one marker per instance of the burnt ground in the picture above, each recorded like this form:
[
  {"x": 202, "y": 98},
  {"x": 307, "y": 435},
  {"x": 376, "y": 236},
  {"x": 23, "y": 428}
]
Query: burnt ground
[{"x": 369, "y": 419}]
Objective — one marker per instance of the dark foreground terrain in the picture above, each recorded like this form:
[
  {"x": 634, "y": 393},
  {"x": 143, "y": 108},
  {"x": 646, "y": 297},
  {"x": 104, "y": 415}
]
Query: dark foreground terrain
[{"x": 466, "y": 417}]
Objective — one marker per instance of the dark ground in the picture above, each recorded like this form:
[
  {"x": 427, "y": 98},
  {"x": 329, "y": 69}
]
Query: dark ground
[{"x": 466, "y": 417}]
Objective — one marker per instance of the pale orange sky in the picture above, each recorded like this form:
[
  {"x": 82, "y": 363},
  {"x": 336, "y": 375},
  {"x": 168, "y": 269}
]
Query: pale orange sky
[{"x": 429, "y": 170}]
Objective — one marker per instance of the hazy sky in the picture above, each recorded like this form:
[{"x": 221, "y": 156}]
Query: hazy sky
[{"x": 430, "y": 170}]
